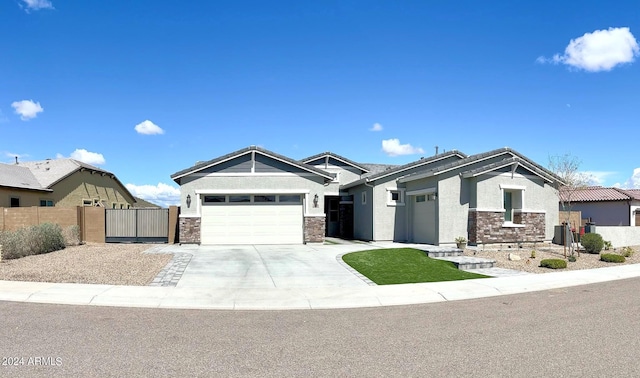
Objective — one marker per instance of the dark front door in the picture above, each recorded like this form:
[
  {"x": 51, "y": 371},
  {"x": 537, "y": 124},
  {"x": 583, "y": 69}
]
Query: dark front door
[{"x": 332, "y": 211}]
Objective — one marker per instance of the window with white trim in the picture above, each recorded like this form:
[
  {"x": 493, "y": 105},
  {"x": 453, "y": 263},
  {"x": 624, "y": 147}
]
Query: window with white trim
[
  {"x": 512, "y": 203},
  {"x": 395, "y": 197}
]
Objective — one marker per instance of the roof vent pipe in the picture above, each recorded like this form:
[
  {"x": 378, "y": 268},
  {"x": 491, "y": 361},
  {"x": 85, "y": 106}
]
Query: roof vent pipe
[{"x": 17, "y": 161}]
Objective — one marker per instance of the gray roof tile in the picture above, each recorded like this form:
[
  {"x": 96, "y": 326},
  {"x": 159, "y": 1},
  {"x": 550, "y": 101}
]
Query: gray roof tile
[{"x": 18, "y": 176}]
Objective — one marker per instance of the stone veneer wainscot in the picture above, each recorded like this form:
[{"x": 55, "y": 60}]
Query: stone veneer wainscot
[
  {"x": 314, "y": 229},
  {"x": 486, "y": 227},
  {"x": 189, "y": 230}
]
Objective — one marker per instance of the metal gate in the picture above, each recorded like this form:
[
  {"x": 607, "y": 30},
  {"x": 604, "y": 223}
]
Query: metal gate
[{"x": 137, "y": 225}]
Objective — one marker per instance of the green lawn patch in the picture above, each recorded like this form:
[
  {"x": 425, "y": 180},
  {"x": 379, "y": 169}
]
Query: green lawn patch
[{"x": 404, "y": 265}]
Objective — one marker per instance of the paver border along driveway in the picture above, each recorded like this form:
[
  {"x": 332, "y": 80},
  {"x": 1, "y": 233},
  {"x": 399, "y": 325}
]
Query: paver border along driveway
[{"x": 268, "y": 266}]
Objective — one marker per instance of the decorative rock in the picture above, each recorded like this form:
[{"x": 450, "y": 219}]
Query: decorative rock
[{"x": 514, "y": 257}]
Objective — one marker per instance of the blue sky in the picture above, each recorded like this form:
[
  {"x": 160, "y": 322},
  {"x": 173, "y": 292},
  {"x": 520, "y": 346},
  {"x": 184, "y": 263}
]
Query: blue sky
[{"x": 147, "y": 88}]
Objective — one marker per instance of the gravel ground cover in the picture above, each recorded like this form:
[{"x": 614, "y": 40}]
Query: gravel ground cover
[
  {"x": 114, "y": 264},
  {"x": 532, "y": 265}
]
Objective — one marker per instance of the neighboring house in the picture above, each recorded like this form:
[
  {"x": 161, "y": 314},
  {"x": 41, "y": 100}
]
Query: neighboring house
[
  {"x": 65, "y": 183},
  {"x": 495, "y": 197},
  {"x": 605, "y": 206},
  {"x": 19, "y": 187}
]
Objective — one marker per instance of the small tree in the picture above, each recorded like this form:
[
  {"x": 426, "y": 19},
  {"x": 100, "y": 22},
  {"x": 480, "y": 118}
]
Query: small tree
[{"x": 571, "y": 181}]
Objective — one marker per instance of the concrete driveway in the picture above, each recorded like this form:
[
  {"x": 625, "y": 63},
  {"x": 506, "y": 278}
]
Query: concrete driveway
[{"x": 269, "y": 266}]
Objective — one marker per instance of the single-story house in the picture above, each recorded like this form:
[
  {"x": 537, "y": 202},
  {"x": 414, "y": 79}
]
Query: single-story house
[
  {"x": 62, "y": 183},
  {"x": 605, "y": 206},
  {"x": 257, "y": 196}
]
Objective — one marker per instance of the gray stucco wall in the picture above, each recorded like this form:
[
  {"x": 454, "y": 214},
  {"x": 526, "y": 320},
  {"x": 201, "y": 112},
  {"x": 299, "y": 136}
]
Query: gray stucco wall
[
  {"x": 389, "y": 220},
  {"x": 362, "y": 214}
]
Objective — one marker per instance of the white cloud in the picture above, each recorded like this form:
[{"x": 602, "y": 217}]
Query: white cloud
[
  {"x": 148, "y": 128},
  {"x": 634, "y": 181},
  {"x": 376, "y": 127},
  {"x": 161, "y": 194},
  {"x": 27, "y": 109},
  {"x": 601, "y": 50},
  {"x": 30, "y": 5},
  {"x": 392, "y": 147},
  {"x": 597, "y": 177},
  {"x": 85, "y": 156}
]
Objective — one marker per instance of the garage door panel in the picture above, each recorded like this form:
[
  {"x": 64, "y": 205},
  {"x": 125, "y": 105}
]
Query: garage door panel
[{"x": 252, "y": 223}]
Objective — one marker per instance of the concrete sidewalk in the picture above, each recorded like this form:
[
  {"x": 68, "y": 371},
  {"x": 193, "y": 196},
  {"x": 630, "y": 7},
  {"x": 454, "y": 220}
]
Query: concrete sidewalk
[{"x": 302, "y": 297}]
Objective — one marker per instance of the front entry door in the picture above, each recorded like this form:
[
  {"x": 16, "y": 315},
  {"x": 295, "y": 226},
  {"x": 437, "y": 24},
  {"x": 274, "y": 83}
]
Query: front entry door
[{"x": 332, "y": 211}]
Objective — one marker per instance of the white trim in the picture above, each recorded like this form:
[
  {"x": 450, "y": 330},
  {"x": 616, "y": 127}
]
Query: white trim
[
  {"x": 336, "y": 194},
  {"x": 252, "y": 191},
  {"x": 306, "y": 215},
  {"x": 486, "y": 210},
  {"x": 188, "y": 216},
  {"x": 513, "y": 187},
  {"x": 421, "y": 191},
  {"x": 326, "y": 164},
  {"x": 512, "y": 225},
  {"x": 508, "y": 174}
]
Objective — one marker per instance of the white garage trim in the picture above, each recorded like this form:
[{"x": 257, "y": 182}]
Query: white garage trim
[{"x": 252, "y": 191}]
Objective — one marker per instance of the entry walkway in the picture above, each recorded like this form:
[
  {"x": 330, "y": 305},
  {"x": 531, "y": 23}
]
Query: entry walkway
[{"x": 276, "y": 286}]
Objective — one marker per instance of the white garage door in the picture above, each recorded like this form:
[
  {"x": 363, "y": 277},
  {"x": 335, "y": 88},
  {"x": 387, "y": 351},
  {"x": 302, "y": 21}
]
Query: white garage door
[
  {"x": 423, "y": 225},
  {"x": 252, "y": 219}
]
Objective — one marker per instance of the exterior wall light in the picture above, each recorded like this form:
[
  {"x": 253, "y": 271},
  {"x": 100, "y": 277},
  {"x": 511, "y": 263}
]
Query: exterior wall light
[
  {"x": 188, "y": 200},
  {"x": 315, "y": 201}
]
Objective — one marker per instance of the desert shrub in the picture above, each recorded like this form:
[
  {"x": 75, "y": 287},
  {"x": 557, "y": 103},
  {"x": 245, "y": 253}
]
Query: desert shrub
[
  {"x": 627, "y": 251},
  {"x": 612, "y": 257},
  {"x": 553, "y": 263},
  {"x": 71, "y": 235},
  {"x": 571, "y": 258},
  {"x": 592, "y": 243},
  {"x": 607, "y": 245},
  {"x": 32, "y": 240}
]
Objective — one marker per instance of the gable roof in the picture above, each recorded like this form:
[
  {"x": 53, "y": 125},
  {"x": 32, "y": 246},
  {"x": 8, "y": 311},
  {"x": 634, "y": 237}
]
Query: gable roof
[
  {"x": 204, "y": 165},
  {"x": 51, "y": 171},
  {"x": 514, "y": 159},
  {"x": 599, "y": 194},
  {"x": 402, "y": 168},
  {"x": 17, "y": 176},
  {"x": 337, "y": 157}
]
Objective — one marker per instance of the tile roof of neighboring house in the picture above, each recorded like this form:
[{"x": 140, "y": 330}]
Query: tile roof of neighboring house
[
  {"x": 51, "y": 171},
  {"x": 17, "y": 176},
  {"x": 336, "y": 156},
  {"x": 401, "y": 168},
  {"x": 599, "y": 194},
  {"x": 633, "y": 193},
  {"x": 202, "y": 165},
  {"x": 515, "y": 157}
]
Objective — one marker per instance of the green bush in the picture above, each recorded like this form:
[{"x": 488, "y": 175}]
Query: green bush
[
  {"x": 571, "y": 258},
  {"x": 32, "y": 240},
  {"x": 611, "y": 257},
  {"x": 592, "y": 243},
  {"x": 553, "y": 263}
]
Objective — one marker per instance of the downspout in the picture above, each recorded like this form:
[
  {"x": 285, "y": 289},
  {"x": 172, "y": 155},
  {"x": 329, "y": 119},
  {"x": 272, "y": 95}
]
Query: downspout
[{"x": 373, "y": 210}]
